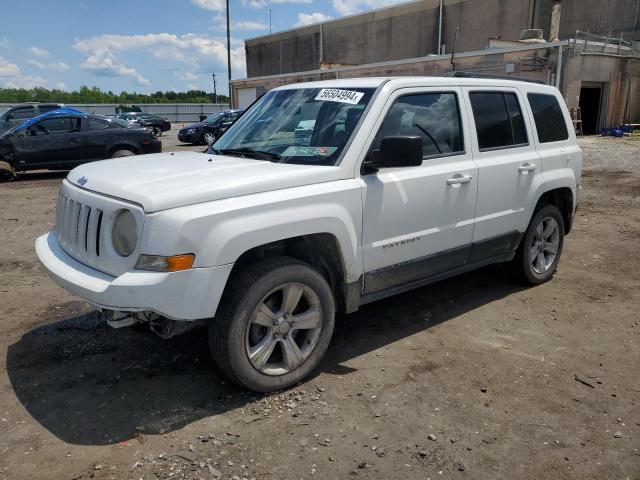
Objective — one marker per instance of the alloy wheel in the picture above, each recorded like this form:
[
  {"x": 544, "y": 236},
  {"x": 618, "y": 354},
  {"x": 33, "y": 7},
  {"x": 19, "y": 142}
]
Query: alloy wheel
[
  {"x": 283, "y": 329},
  {"x": 544, "y": 245}
]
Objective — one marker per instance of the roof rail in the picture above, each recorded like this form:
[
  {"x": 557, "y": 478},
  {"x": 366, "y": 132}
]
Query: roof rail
[{"x": 471, "y": 74}]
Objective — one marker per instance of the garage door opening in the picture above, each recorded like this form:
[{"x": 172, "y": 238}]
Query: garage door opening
[{"x": 590, "y": 106}]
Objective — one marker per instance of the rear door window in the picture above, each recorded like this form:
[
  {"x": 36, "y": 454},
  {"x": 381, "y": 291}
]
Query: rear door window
[
  {"x": 433, "y": 116},
  {"x": 550, "y": 122},
  {"x": 499, "y": 120}
]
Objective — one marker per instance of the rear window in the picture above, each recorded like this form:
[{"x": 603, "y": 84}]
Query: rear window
[
  {"x": 550, "y": 122},
  {"x": 22, "y": 113},
  {"x": 499, "y": 121},
  {"x": 47, "y": 108}
]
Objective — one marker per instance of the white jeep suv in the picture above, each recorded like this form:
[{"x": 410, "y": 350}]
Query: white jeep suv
[{"x": 322, "y": 197}]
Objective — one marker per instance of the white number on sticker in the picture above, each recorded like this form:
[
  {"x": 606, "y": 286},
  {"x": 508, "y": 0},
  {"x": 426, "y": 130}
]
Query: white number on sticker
[{"x": 342, "y": 96}]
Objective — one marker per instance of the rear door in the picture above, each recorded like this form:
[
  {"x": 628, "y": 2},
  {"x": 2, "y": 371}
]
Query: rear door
[{"x": 509, "y": 168}]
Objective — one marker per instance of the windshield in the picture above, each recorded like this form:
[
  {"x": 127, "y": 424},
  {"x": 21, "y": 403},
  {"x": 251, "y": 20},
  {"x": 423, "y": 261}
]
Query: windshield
[
  {"x": 213, "y": 118},
  {"x": 309, "y": 126}
]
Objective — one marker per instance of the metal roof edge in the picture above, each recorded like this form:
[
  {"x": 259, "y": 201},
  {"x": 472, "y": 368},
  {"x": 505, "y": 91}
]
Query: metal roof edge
[{"x": 404, "y": 61}]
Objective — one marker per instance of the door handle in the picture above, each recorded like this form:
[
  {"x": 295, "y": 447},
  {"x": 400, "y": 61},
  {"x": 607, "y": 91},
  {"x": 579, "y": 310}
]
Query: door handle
[
  {"x": 527, "y": 167},
  {"x": 458, "y": 179}
]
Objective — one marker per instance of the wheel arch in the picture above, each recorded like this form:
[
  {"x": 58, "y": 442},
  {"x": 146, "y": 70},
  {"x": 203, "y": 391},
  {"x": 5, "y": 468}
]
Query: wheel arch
[
  {"x": 122, "y": 146},
  {"x": 563, "y": 199},
  {"x": 319, "y": 250}
]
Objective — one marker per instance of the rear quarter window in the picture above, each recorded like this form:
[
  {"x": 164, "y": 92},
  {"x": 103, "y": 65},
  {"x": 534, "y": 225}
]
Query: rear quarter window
[{"x": 550, "y": 122}]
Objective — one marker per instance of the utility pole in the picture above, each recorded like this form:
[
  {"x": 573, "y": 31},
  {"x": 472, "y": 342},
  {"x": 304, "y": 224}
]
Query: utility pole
[
  {"x": 439, "y": 50},
  {"x": 215, "y": 91},
  {"x": 228, "y": 54},
  {"x": 453, "y": 50}
]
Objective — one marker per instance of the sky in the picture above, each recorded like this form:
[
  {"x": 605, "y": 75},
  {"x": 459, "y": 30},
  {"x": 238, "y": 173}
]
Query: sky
[{"x": 143, "y": 45}]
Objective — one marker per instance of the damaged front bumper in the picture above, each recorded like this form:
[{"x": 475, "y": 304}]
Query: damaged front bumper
[{"x": 185, "y": 295}]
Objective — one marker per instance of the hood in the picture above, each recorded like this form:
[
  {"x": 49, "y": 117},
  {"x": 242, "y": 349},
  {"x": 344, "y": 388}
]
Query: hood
[
  {"x": 196, "y": 125},
  {"x": 169, "y": 180}
]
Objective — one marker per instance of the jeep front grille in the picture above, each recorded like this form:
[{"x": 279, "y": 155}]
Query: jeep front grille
[
  {"x": 78, "y": 227},
  {"x": 84, "y": 221}
]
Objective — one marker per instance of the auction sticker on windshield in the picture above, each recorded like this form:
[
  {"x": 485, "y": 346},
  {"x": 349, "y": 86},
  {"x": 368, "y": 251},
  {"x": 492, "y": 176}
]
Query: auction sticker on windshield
[{"x": 342, "y": 96}]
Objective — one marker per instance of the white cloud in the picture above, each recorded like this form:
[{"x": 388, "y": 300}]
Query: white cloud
[
  {"x": 261, "y": 4},
  {"x": 189, "y": 76},
  {"x": 55, "y": 66},
  {"x": 310, "y": 18},
  {"x": 347, "y": 7},
  {"x": 191, "y": 86},
  {"x": 8, "y": 70},
  {"x": 203, "y": 53},
  {"x": 38, "y": 52},
  {"x": 250, "y": 25},
  {"x": 27, "y": 82},
  {"x": 105, "y": 64},
  {"x": 213, "y": 5},
  {"x": 60, "y": 86},
  {"x": 297, "y": 2},
  {"x": 13, "y": 78}
]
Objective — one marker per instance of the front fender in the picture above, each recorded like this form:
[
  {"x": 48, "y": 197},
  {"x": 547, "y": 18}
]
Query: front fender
[{"x": 220, "y": 232}]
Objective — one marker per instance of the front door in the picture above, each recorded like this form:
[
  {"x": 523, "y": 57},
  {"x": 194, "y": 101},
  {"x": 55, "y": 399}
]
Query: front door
[
  {"x": 418, "y": 221},
  {"x": 49, "y": 143}
]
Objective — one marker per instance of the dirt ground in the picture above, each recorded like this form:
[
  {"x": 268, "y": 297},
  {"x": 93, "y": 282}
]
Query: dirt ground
[{"x": 473, "y": 377}]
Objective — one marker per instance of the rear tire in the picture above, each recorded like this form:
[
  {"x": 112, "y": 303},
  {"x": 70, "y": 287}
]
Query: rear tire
[
  {"x": 122, "y": 153},
  {"x": 257, "y": 337},
  {"x": 539, "y": 251}
]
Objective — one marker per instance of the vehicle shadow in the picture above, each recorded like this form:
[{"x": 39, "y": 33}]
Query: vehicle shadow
[{"x": 91, "y": 385}]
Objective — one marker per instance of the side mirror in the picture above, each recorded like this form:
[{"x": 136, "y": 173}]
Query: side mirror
[{"x": 397, "y": 151}]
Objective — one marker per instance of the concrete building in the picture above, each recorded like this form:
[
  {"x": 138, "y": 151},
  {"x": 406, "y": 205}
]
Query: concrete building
[{"x": 584, "y": 47}]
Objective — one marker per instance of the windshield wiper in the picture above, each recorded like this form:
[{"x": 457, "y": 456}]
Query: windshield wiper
[{"x": 251, "y": 153}]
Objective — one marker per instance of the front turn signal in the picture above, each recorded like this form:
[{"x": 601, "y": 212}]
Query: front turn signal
[{"x": 157, "y": 263}]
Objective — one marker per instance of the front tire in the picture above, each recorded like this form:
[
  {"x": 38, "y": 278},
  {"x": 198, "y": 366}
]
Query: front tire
[
  {"x": 209, "y": 138},
  {"x": 157, "y": 131},
  {"x": 273, "y": 325},
  {"x": 539, "y": 252}
]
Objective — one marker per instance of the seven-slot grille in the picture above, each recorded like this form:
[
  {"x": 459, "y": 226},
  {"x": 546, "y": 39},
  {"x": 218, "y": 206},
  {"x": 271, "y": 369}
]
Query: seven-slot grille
[{"x": 78, "y": 227}]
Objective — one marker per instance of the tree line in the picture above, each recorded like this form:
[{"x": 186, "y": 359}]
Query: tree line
[{"x": 95, "y": 95}]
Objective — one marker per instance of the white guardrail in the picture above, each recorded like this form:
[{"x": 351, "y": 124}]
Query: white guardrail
[{"x": 174, "y": 112}]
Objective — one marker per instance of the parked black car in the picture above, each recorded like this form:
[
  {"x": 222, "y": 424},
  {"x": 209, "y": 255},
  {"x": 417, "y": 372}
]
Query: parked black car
[
  {"x": 64, "y": 138},
  {"x": 156, "y": 124},
  {"x": 17, "y": 114},
  {"x": 210, "y": 128}
]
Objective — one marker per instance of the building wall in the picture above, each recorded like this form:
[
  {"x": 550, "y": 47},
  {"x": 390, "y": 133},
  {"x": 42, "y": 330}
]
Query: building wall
[
  {"x": 620, "y": 77},
  {"x": 411, "y": 30},
  {"x": 619, "y": 74}
]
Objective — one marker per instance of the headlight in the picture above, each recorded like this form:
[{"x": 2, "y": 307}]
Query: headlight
[
  {"x": 190, "y": 130},
  {"x": 124, "y": 235}
]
